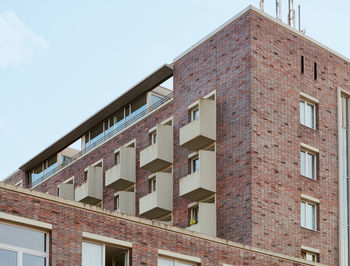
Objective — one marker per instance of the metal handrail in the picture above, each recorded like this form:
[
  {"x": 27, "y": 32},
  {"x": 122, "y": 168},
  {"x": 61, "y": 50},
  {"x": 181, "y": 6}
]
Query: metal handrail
[{"x": 104, "y": 138}]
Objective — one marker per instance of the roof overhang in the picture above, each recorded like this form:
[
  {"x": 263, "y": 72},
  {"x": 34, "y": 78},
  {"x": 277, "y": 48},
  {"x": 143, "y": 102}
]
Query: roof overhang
[{"x": 150, "y": 82}]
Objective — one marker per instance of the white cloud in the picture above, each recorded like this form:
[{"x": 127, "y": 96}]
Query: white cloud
[
  {"x": 17, "y": 40},
  {"x": 5, "y": 128}
]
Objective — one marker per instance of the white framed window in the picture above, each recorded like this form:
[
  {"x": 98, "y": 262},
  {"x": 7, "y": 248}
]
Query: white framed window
[
  {"x": 117, "y": 158},
  {"x": 194, "y": 214},
  {"x": 194, "y": 165},
  {"x": 194, "y": 113},
  {"x": 310, "y": 256},
  {"x": 116, "y": 203},
  {"x": 21, "y": 246},
  {"x": 154, "y": 137},
  {"x": 308, "y": 164},
  {"x": 308, "y": 215},
  {"x": 173, "y": 262},
  {"x": 94, "y": 254},
  {"x": 153, "y": 183},
  {"x": 307, "y": 114}
]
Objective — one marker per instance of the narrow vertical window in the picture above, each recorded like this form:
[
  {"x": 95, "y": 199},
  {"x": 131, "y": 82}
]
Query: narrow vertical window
[
  {"x": 195, "y": 114},
  {"x": 302, "y": 65},
  {"x": 308, "y": 215},
  {"x": 315, "y": 71},
  {"x": 194, "y": 165},
  {"x": 117, "y": 158},
  {"x": 307, "y": 114},
  {"x": 308, "y": 164},
  {"x": 154, "y": 138}
]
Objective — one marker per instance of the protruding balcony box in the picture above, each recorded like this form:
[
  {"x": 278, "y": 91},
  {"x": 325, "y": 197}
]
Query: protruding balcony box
[
  {"x": 159, "y": 202},
  {"x": 201, "y": 183},
  {"x": 206, "y": 223},
  {"x": 160, "y": 154},
  {"x": 66, "y": 191},
  {"x": 91, "y": 191},
  {"x": 126, "y": 202},
  {"x": 202, "y": 131},
  {"x": 123, "y": 174}
]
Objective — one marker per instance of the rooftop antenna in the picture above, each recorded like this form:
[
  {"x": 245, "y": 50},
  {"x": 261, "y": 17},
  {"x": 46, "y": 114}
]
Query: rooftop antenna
[
  {"x": 278, "y": 10},
  {"x": 299, "y": 18},
  {"x": 262, "y": 5},
  {"x": 291, "y": 13}
]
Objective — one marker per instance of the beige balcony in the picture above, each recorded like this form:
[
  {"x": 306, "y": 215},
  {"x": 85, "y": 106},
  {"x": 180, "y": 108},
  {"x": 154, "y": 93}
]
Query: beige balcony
[
  {"x": 123, "y": 174},
  {"x": 160, "y": 154},
  {"x": 201, "y": 183},
  {"x": 206, "y": 222},
  {"x": 66, "y": 191},
  {"x": 202, "y": 131},
  {"x": 160, "y": 202},
  {"x": 91, "y": 191},
  {"x": 126, "y": 203}
]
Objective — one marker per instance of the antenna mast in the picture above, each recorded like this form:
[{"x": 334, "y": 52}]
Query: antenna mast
[
  {"x": 291, "y": 13},
  {"x": 278, "y": 10},
  {"x": 262, "y": 5}
]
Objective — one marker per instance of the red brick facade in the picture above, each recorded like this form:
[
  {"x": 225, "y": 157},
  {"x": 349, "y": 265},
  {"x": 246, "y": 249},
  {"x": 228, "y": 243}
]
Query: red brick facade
[{"x": 253, "y": 64}]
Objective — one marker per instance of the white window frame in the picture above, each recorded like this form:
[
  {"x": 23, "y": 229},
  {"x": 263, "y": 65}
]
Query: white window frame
[
  {"x": 314, "y": 253},
  {"x": 306, "y": 215},
  {"x": 20, "y": 250},
  {"x": 192, "y": 164},
  {"x": 153, "y": 183},
  {"x": 305, "y": 102},
  {"x": 193, "y": 112},
  {"x": 314, "y": 166},
  {"x": 154, "y": 137}
]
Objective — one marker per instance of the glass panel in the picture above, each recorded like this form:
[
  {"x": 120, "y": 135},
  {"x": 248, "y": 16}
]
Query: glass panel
[
  {"x": 154, "y": 138},
  {"x": 195, "y": 114},
  {"x": 37, "y": 173},
  {"x": 155, "y": 98},
  {"x": 310, "y": 165},
  {"x": 183, "y": 264},
  {"x": 302, "y": 163},
  {"x": 310, "y": 216},
  {"x": 138, "y": 106},
  {"x": 195, "y": 165},
  {"x": 302, "y": 214},
  {"x": 302, "y": 112},
  {"x": 96, "y": 133},
  {"x": 20, "y": 237},
  {"x": 117, "y": 119},
  {"x": 164, "y": 262},
  {"x": 91, "y": 254},
  {"x": 309, "y": 115},
  {"x": 29, "y": 260},
  {"x": 8, "y": 258}
]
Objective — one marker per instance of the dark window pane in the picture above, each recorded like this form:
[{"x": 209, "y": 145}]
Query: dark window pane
[
  {"x": 30, "y": 260},
  {"x": 20, "y": 237},
  {"x": 96, "y": 133},
  {"x": 8, "y": 258}
]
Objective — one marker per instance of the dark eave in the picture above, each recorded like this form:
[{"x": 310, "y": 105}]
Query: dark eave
[{"x": 150, "y": 82}]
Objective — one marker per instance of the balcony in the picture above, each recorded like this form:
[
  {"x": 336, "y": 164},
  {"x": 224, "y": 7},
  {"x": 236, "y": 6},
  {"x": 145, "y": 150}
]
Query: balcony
[
  {"x": 160, "y": 202},
  {"x": 206, "y": 222},
  {"x": 126, "y": 203},
  {"x": 66, "y": 191},
  {"x": 90, "y": 192},
  {"x": 200, "y": 132},
  {"x": 123, "y": 174},
  {"x": 160, "y": 154},
  {"x": 201, "y": 183}
]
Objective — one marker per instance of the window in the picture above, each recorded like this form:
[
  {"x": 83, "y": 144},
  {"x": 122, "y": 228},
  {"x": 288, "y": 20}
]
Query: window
[
  {"x": 116, "y": 203},
  {"x": 154, "y": 138},
  {"x": 308, "y": 215},
  {"x": 193, "y": 219},
  {"x": 307, "y": 114},
  {"x": 194, "y": 165},
  {"x": 171, "y": 262},
  {"x": 43, "y": 168},
  {"x": 194, "y": 114},
  {"x": 306, "y": 255},
  {"x": 308, "y": 164},
  {"x": 315, "y": 71},
  {"x": 22, "y": 247},
  {"x": 155, "y": 98},
  {"x": 117, "y": 158},
  {"x": 153, "y": 184},
  {"x": 101, "y": 255},
  {"x": 302, "y": 65}
]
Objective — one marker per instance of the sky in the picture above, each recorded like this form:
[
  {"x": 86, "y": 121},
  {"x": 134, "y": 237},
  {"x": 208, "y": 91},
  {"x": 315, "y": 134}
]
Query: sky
[{"x": 61, "y": 61}]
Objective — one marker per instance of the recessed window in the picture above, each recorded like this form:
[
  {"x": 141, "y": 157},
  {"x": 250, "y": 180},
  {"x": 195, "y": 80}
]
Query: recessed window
[
  {"x": 153, "y": 184},
  {"x": 308, "y": 164},
  {"x": 310, "y": 256},
  {"x": 195, "y": 114},
  {"x": 193, "y": 215},
  {"x": 116, "y": 203},
  {"x": 308, "y": 215},
  {"x": 315, "y": 71},
  {"x": 302, "y": 65},
  {"x": 101, "y": 255},
  {"x": 20, "y": 246},
  {"x": 117, "y": 158},
  {"x": 154, "y": 137},
  {"x": 195, "y": 165},
  {"x": 307, "y": 114}
]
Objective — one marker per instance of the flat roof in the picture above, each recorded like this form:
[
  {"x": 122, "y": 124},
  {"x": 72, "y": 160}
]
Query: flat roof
[{"x": 148, "y": 83}]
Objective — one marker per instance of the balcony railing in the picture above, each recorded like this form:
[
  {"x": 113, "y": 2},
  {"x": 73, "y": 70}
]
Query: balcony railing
[{"x": 104, "y": 138}]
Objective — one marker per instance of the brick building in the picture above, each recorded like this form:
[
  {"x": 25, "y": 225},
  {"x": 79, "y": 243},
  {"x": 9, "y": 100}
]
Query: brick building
[{"x": 244, "y": 162}]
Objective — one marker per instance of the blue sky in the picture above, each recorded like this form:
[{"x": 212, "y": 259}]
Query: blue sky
[{"x": 60, "y": 61}]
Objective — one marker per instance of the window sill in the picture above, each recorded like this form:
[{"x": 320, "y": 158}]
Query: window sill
[
  {"x": 304, "y": 126},
  {"x": 312, "y": 230},
  {"x": 308, "y": 178}
]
